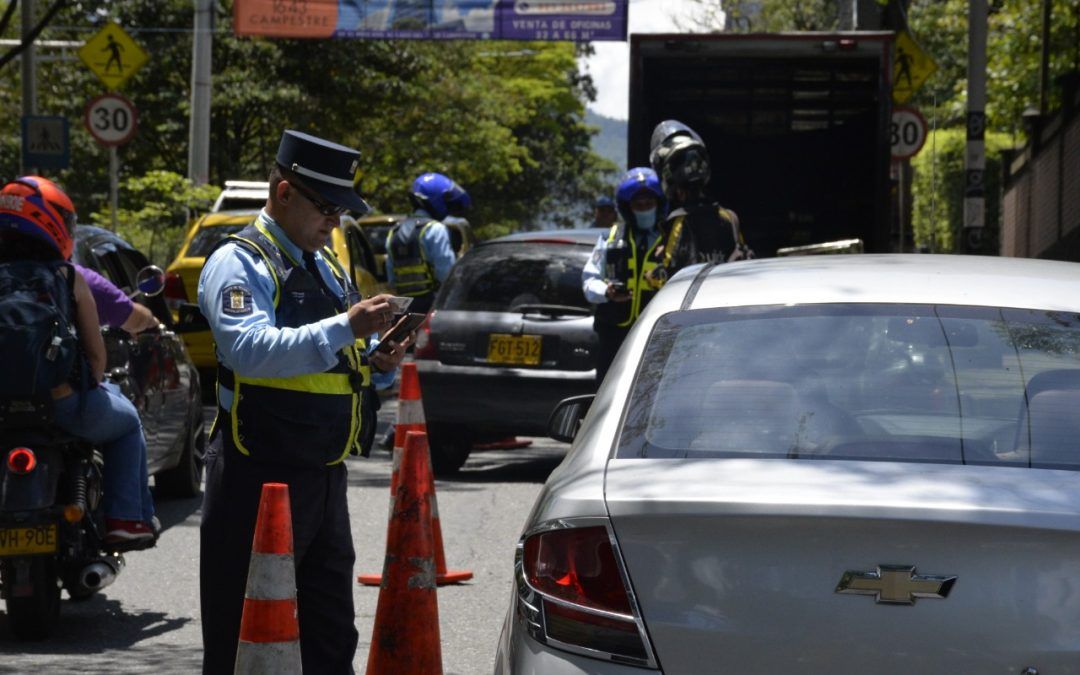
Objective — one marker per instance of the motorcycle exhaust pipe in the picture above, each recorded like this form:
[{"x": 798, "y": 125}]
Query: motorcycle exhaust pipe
[{"x": 100, "y": 573}]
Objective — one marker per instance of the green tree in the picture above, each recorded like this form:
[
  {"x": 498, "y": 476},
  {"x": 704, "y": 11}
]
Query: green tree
[
  {"x": 937, "y": 212},
  {"x": 504, "y": 119}
]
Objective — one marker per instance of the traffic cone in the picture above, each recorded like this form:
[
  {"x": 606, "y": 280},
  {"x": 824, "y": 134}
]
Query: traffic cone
[
  {"x": 269, "y": 628},
  {"x": 405, "y": 638},
  {"x": 411, "y": 418}
]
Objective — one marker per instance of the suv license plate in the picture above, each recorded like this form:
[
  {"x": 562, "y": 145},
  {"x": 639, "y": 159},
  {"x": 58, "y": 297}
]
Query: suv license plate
[
  {"x": 26, "y": 540},
  {"x": 518, "y": 350}
]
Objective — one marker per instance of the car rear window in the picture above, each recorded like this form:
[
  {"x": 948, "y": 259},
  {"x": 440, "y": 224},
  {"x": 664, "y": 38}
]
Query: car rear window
[
  {"x": 205, "y": 239},
  {"x": 918, "y": 383},
  {"x": 499, "y": 277}
]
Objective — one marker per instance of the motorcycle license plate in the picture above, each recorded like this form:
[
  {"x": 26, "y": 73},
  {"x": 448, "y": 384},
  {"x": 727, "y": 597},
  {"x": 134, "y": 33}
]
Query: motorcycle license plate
[
  {"x": 518, "y": 350},
  {"x": 26, "y": 540}
]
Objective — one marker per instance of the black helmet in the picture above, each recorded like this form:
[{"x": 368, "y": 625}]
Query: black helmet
[{"x": 678, "y": 155}]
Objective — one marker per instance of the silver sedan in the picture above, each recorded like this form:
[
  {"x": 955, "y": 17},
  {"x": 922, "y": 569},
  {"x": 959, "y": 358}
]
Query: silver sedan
[{"x": 835, "y": 464}]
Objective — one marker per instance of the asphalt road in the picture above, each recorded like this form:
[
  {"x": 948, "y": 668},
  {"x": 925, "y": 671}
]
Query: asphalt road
[{"x": 148, "y": 621}]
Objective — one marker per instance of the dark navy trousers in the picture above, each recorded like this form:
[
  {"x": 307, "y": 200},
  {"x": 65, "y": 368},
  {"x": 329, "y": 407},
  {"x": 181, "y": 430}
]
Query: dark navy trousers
[{"x": 323, "y": 550}]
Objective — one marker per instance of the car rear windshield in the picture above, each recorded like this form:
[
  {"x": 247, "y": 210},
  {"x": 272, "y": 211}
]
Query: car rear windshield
[
  {"x": 205, "y": 239},
  {"x": 500, "y": 277},
  {"x": 914, "y": 383}
]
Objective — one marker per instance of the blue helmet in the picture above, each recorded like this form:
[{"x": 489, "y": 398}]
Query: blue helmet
[
  {"x": 637, "y": 180},
  {"x": 634, "y": 181},
  {"x": 439, "y": 196}
]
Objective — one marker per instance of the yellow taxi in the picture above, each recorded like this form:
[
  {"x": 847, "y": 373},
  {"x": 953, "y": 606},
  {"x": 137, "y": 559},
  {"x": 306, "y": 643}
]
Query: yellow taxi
[{"x": 349, "y": 242}]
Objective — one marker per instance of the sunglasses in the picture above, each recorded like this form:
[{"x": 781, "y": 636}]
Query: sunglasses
[{"x": 325, "y": 208}]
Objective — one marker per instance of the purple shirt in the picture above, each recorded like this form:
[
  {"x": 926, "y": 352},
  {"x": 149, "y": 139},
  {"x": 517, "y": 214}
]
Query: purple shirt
[{"x": 113, "y": 305}]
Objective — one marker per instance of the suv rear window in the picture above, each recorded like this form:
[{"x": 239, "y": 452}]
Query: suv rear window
[
  {"x": 499, "y": 277},
  {"x": 916, "y": 383}
]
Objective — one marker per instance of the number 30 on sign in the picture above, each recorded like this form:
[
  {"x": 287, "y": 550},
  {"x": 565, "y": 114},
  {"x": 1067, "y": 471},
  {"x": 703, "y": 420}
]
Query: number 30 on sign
[
  {"x": 111, "y": 119},
  {"x": 907, "y": 132}
]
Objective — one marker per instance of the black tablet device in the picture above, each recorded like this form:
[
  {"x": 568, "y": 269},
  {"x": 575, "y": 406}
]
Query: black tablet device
[{"x": 401, "y": 330}]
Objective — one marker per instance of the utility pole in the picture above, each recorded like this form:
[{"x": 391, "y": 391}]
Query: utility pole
[
  {"x": 201, "y": 55},
  {"x": 975, "y": 162},
  {"x": 29, "y": 71}
]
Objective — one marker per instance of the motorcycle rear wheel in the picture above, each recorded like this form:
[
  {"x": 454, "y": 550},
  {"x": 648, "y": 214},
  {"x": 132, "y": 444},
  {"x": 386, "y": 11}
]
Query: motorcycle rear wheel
[{"x": 33, "y": 617}]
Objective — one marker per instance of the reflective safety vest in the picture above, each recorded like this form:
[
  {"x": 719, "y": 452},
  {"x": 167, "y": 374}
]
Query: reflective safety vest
[
  {"x": 639, "y": 264},
  {"x": 414, "y": 276},
  {"x": 310, "y": 420}
]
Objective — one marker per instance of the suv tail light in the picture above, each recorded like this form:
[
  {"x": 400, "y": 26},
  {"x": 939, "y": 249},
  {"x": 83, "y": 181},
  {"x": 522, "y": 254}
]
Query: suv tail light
[
  {"x": 174, "y": 292},
  {"x": 425, "y": 344},
  {"x": 573, "y": 594},
  {"x": 21, "y": 460}
]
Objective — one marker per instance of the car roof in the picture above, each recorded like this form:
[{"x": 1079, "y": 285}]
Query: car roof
[
  {"x": 96, "y": 237},
  {"x": 586, "y": 235},
  {"x": 887, "y": 278}
]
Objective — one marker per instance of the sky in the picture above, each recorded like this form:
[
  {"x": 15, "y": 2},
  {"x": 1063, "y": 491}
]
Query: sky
[{"x": 610, "y": 66}]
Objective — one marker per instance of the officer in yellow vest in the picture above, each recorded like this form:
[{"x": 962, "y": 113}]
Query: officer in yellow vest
[
  {"x": 418, "y": 251},
  {"x": 616, "y": 278},
  {"x": 296, "y": 372}
]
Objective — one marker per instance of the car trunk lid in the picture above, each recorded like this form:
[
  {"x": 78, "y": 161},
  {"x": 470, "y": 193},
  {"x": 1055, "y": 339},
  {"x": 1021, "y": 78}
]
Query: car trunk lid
[
  {"x": 543, "y": 339},
  {"x": 738, "y": 561}
]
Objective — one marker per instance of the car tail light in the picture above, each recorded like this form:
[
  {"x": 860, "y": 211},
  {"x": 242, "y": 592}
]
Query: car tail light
[
  {"x": 425, "y": 344},
  {"x": 574, "y": 595},
  {"x": 21, "y": 460},
  {"x": 174, "y": 292}
]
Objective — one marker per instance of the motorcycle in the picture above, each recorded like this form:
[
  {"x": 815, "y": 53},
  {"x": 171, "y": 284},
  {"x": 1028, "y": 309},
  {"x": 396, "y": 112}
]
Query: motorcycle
[
  {"x": 52, "y": 524},
  {"x": 52, "y": 520}
]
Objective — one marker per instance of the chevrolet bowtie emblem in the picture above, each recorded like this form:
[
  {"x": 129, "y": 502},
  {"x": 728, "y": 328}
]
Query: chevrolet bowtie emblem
[{"x": 895, "y": 584}]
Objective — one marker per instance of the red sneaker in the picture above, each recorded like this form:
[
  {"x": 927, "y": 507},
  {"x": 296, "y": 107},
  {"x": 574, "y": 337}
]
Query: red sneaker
[{"x": 122, "y": 531}]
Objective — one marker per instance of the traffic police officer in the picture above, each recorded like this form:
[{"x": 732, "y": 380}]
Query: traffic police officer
[
  {"x": 700, "y": 229},
  {"x": 295, "y": 369},
  {"x": 418, "y": 251},
  {"x": 616, "y": 277}
]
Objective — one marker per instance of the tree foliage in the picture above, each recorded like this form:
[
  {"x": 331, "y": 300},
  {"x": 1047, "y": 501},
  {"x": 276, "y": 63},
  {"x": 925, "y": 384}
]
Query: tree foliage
[
  {"x": 937, "y": 213},
  {"x": 504, "y": 119}
]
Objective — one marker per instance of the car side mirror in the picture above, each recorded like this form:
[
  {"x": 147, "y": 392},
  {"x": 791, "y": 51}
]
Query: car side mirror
[
  {"x": 150, "y": 281},
  {"x": 566, "y": 418}
]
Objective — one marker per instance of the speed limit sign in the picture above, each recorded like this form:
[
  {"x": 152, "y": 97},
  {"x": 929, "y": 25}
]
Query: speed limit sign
[
  {"x": 907, "y": 132},
  {"x": 111, "y": 119}
]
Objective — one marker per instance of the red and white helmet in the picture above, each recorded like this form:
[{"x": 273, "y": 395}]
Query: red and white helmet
[{"x": 37, "y": 207}]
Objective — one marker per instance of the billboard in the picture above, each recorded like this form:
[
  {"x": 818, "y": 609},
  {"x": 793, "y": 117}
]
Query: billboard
[{"x": 555, "y": 20}]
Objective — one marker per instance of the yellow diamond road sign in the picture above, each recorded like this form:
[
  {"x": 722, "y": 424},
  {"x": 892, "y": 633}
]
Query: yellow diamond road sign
[
  {"x": 911, "y": 67},
  {"x": 113, "y": 55}
]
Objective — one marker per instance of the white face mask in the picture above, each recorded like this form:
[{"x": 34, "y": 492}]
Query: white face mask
[{"x": 644, "y": 220}]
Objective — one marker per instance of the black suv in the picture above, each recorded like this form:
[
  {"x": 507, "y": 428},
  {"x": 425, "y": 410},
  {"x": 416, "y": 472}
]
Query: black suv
[{"x": 510, "y": 335}]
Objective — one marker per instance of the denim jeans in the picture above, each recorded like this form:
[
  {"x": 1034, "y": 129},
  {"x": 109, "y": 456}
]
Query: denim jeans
[{"x": 108, "y": 419}]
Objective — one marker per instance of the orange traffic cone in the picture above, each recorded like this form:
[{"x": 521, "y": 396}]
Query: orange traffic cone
[
  {"x": 269, "y": 629},
  {"x": 405, "y": 638},
  {"x": 411, "y": 418}
]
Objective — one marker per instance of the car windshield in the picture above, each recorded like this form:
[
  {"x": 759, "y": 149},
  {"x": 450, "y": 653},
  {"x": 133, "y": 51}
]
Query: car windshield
[
  {"x": 502, "y": 277},
  {"x": 205, "y": 239},
  {"x": 918, "y": 383}
]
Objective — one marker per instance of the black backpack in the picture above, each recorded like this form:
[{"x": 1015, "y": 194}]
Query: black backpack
[{"x": 39, "y": 348}]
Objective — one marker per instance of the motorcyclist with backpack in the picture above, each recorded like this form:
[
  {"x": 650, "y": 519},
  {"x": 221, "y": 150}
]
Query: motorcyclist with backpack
[{"x": 66, "y": 365}]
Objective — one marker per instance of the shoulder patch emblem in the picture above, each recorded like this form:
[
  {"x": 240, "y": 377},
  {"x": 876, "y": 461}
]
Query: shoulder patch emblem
[{"x": 236, "y": 300}]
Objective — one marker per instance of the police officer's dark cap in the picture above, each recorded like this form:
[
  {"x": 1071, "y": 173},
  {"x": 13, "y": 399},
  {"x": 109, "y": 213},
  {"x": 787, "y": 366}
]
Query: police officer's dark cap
[
  {"x": 602, "y": 201},
  {"x": 325, "y": 167}
]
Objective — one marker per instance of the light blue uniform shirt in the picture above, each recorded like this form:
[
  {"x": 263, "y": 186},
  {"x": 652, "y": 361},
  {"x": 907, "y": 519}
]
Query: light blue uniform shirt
[
  {"x": 435, "y": 243},
  {"x": 247, "y": 340},
  {"x": 593, "y": 282}
]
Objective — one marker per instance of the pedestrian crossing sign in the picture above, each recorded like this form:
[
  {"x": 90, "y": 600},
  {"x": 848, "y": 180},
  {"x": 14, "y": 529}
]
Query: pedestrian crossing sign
[
  {"x": 45, "y": 142},
  {"x": 911, "y": 67},
  {"x": 113, "y": 55}
]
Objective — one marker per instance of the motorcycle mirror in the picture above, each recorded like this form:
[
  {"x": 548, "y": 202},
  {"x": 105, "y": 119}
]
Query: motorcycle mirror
[{"x": 150, "y": 281}]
